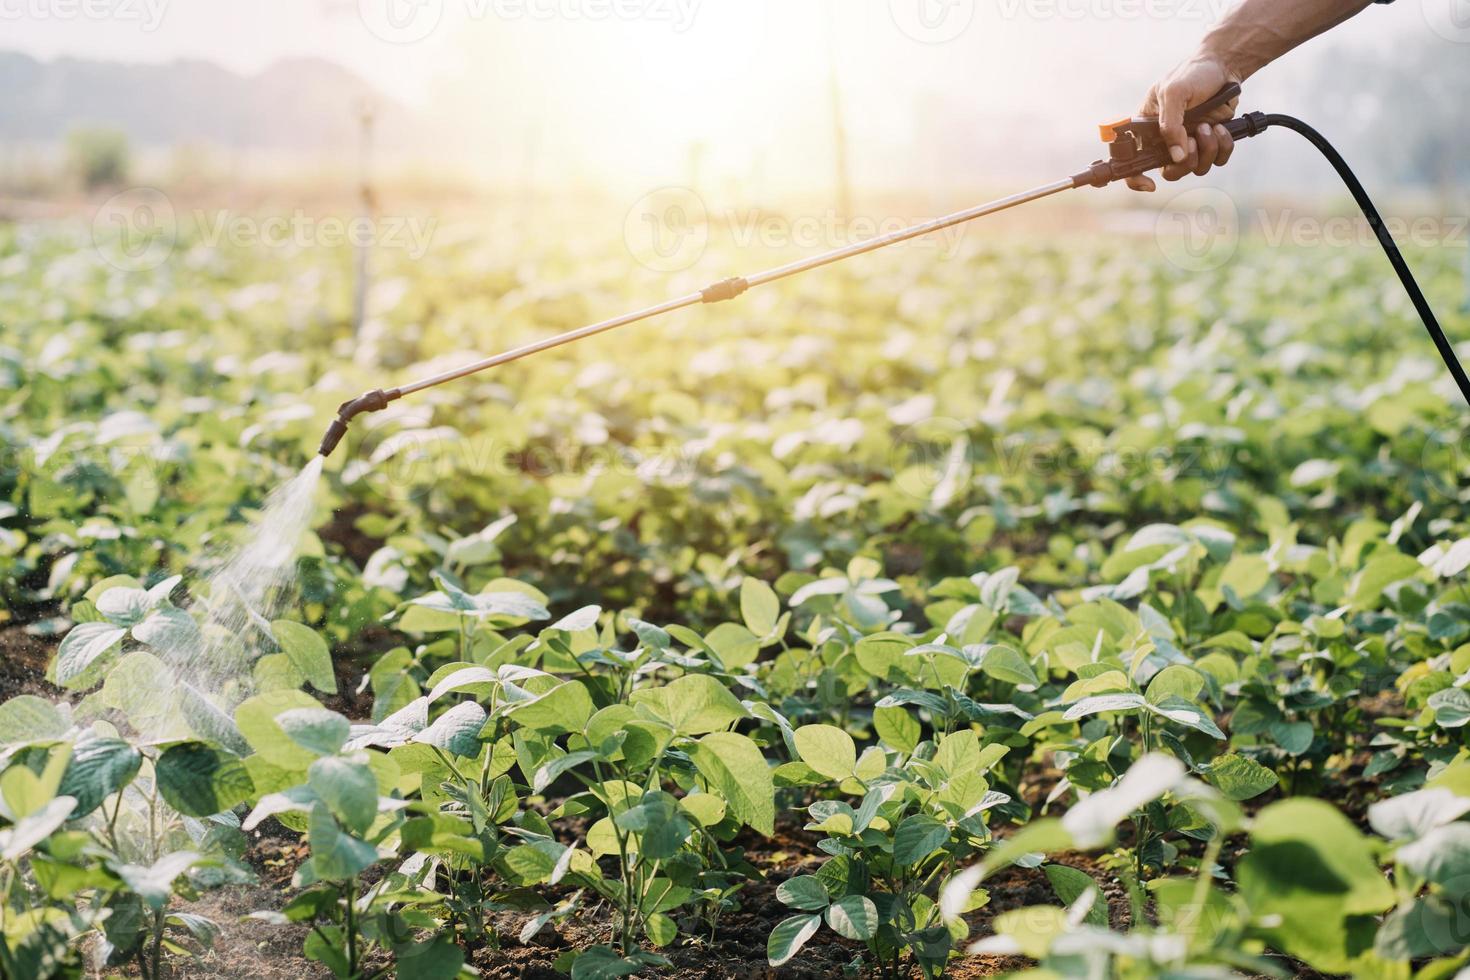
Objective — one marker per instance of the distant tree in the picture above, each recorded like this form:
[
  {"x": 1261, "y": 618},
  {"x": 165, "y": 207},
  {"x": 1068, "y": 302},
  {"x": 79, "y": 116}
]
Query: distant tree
[{"x": 98, "y": 157}]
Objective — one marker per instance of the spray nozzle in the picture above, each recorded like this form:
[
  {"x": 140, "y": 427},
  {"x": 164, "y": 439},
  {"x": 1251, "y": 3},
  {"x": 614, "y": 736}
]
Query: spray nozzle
[{"x": 372, "y": 401}]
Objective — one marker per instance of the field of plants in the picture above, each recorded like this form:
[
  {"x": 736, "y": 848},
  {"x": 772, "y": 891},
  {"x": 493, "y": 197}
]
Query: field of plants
[{"x": 1043, "y": 609}]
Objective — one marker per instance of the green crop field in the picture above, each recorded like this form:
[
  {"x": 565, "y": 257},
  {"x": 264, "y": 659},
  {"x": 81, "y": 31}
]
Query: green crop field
[{"x": 1040, "y": 607}]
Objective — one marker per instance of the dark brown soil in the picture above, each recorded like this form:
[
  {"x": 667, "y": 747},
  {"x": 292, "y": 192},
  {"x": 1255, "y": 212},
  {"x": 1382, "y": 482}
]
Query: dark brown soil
[{"x": 23, "y": 661}]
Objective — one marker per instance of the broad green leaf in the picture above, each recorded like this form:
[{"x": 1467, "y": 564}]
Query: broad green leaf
[
  {"x": 457, "y": 731},
  {"x": 736, "y": 769},
  {"x": 853, "y": 917},
  {"x": 827, "y": 749},
  {"x": 307, "y": 652},
  {"x": 694, "y": 704},
  {"x": 789, "y": 936},
  {"x": 662, "y": 828},
  {"x": 1246, "y": 575},
  {"x": 335, "y": 854},
  {"x": 154, "y": 883},
  {"x": 897, "y": 728},
  {"x": 1175, "y": 680},
  {"x": 564, "y": 708},
  {"x": 805, "y": 892},
  {"x": 256, "y": 719},
  {"x": 1239, "y": 777},
  {"x": 1103, "y": 703},
  {"x": 98, "y": 768},
  {"x": 759, "y": 606},
  {"x": 1009, "y": 666},
  {"x": 1071, "y": 884},
  {"x": 27, "y": 719},
  {"x": 317, "y": 730},
  {"x": 917, "y": 837},
  {"x": 200, "y": 781},
  {"x": 349, "y": 790},
  {"x": 83, "y": 646}
]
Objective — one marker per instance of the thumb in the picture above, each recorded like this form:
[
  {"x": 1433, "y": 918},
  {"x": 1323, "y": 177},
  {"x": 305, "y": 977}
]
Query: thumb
[{"x": 1172, "y": 99}]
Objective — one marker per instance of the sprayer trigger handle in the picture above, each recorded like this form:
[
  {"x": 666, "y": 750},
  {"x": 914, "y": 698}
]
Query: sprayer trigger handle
[{"x": 1146, "y": 128}]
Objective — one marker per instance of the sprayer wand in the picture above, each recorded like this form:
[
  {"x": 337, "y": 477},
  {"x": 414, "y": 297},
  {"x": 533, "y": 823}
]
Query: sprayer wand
[{"x": 1136, "y": 146}]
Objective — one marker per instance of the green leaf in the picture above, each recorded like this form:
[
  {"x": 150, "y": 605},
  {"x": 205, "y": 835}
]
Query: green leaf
[
  {"x": 349, "y": 790},
  {"x": 1246, "y": 575},
  {"x": 564, "y": 708},
  {"x": 308, "y": 653},
  {"x": 83, "y": 646},
  {"x": 789, "y": 936},
  {"x": 1071, "y": 884},
  {"x": 456, "y": 731},
  {"x": 1451, "y": 707},
  {"x": 336, "y": 855},
  {"x": 1316, "y": 879},
  {"x": 154, "y": 883},
  {"x": 694, "y": 704},
  {"x": 917, "y": 837},
  {"x": 1175, "y": 680},
  {"x": 1185, "y": 713},
  {"x": 1103, "y": 703},
  {"x": 661, "y": 827},
  {"x": 27, "y": 718},
  {"x": 736, "y": 769},
  {"x": 897, "y": 728},
  {"x": 853, "y": 917},
  {"x": 759, "y": 606},
  {"x": 98, "y": 768},
  {"x": 827, "y": 749},
  {"x": 199, "y": 780},
  {"x": 256, "y": 719},
  {"x": 1008, "y": 666},
  {"x": 660, "y": 929},
  {"x": 439, "y": 958},
  {"x": 735, "y": 645},
  {"x": 317, "y": 730},
  {"x": 1366, "y": 589},
  {"x": 805, "y": 892},
  {"x": 1240, "y": 778}
]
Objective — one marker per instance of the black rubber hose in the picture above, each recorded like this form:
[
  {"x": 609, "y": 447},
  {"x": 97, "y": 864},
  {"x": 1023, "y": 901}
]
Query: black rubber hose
[{"x": 1390, "y": 247}]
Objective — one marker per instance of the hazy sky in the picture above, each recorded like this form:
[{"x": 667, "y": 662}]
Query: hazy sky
[{"x": 615, "y": 83}]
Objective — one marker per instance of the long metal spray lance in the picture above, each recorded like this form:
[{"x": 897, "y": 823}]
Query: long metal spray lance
[{"x": 1136, "y": 147}]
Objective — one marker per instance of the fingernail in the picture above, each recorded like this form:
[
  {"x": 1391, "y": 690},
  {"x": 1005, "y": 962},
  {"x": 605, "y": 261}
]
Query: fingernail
[
  {"x": 1204, "y": 129},
  {"x": 1177, "y": 154}
]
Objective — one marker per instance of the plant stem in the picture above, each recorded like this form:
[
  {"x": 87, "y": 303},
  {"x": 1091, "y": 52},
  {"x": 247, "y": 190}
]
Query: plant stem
[{"x": 352, "y": 926}]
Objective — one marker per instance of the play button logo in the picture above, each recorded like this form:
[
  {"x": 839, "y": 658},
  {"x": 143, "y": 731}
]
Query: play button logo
[
  {"x": 401, "y": 21},
  {"x": 933, "y": 21}
]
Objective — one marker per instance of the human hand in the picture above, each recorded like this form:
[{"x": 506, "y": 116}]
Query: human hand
[{"x": 1209, "y": 144}]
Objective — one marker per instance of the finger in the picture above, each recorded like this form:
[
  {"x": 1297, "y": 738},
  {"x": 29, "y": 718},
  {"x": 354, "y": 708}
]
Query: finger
[
  {"x": 1172, "y": 99},
  {"x": 1185, "y": 167},
  {"x": 1150, "y": 105},
  {"x": 1209, "y": 148},
  {"x": 1142, "y": 183},
  {"x": 1227, "y": 146}
]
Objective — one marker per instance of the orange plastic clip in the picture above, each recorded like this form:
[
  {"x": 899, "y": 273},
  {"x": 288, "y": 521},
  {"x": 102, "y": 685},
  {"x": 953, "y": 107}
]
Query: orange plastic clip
[{"x": 1109, "y": 131}]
